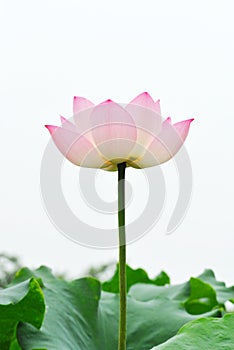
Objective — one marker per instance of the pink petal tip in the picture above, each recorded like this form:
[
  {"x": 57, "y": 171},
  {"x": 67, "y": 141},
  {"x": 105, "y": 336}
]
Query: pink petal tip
[
  {"x": 108, "y": 101},
  {"x": 51, "y": 128},
  {"x": 63, "y": 120},
  {"x": 168, "y": 119}
]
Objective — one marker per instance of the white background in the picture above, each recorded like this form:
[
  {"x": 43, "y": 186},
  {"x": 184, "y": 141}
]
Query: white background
[{"x": 179, "y": 51}]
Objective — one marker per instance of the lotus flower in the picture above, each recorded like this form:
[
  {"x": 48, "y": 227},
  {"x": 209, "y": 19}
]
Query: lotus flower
[{"x": 104, "y": 135}]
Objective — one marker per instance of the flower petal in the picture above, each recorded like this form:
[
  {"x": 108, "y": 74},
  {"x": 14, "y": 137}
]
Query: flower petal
[
  {"x": 82, "y": 110},
  {"x": 182, "y": 128},
  {"x": 67, "y": 124},
  {"x": 146, "y": 115},
  {"x": 75, "y": 147},
  {"x": 80, "y": 104},
  {"x": 146, "y": 101},
  {"x": 114, "y": 131},
  {"x": 157, "y": 107},
  {"x": 165, "y": 145}
]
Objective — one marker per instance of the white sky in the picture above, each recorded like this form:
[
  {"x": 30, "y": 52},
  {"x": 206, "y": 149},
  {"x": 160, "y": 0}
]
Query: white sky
[{"x": 179, "y": 51}]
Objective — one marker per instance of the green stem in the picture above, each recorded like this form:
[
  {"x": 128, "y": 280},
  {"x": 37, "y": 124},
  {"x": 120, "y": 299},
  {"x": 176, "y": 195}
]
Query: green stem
[{"x": 122, "y": 257}]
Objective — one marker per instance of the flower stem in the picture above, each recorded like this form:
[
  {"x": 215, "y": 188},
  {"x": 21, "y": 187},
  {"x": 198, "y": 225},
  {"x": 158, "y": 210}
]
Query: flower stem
[{"x": 122, "y": 257}]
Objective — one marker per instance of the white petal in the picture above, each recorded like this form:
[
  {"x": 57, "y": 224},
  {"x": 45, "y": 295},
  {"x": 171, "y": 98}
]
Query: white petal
[
  {"x": 113, "y": 131},
  {"x": 146, "y": 115},
  {"x": 165, "y": 145},
  {"x": 75, "y": 147}
]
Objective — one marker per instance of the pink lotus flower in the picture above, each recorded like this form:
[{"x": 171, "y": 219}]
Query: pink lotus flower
[{"x": 107, "y": 134}]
